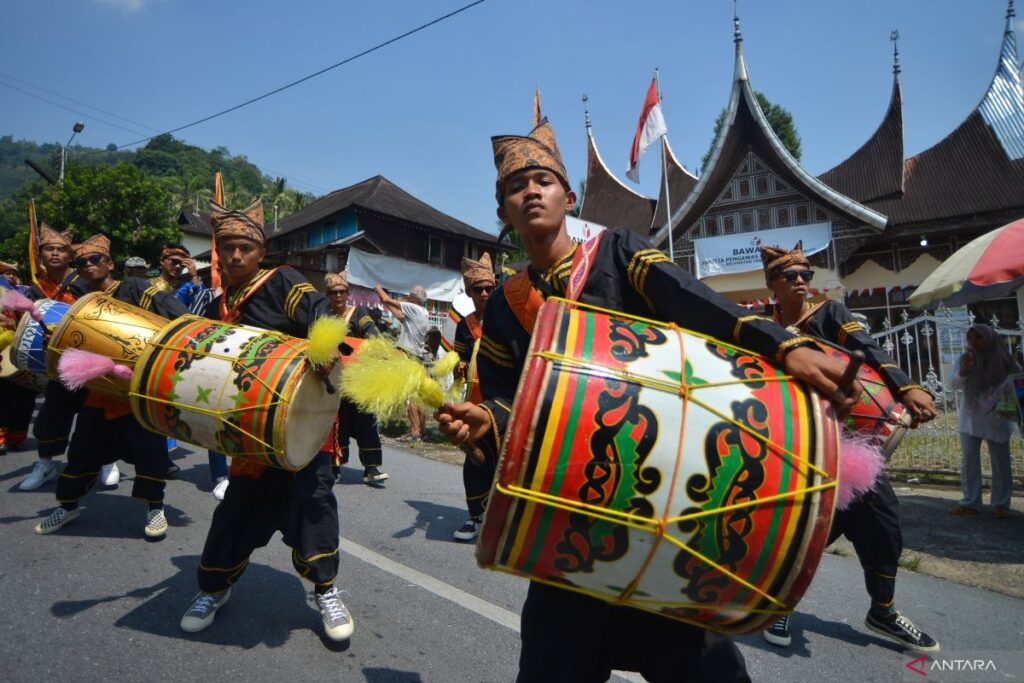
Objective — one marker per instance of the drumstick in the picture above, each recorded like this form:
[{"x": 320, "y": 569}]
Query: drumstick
[
  {"x": 328, "y": 385},
  {"x": 473, "y": 452},
  {"x": 846, "y": 381}
]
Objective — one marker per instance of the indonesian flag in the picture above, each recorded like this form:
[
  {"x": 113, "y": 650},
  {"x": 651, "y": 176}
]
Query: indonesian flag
[{"x": 650, "y": 127}]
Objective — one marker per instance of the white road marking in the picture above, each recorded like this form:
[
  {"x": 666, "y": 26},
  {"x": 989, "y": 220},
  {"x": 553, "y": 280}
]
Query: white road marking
[{"x": 498, "y": 615}]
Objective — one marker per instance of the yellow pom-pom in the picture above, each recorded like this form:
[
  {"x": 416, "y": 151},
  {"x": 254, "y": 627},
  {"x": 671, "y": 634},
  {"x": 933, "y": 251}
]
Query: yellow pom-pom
[
  {"x": 456, "y": 392},
  {"x": 324, "y": 337},
  {"x": 6, "y": 337},
  {"x": 381, "y": 380},
  {"x": 445, "y": 366},
  {"x": 430, "y": 393}
]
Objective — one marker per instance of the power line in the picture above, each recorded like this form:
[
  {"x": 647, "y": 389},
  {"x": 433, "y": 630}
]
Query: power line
[
  {"x": 91, "y": 117},
  {"x": 84, "y": 104},
  {"x": 310, "y": 76}
]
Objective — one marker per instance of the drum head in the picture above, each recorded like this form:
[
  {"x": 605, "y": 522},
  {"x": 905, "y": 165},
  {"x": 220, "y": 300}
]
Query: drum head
[{"x": 311, "y": 413}]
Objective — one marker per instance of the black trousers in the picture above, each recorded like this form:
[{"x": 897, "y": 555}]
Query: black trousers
[
  {"x": 572, "y": 638},
  {"x": 16, "y": 406},
  {"x": 53, "y": 423},
  {"x": 477, "y": 479},
  {"x": 363, "y": 427},
  {"x": 872, "y": 524},
  {"x": 301, "y": 505},
  {"x": 98, "y": 441}
]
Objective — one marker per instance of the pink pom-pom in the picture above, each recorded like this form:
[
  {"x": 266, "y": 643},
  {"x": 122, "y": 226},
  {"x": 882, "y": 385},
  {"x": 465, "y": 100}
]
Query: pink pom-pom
[
  {"x": 77, "y": 367},
  {"x": 18, "y": 302},
  {"x": 860, "y": 463}
]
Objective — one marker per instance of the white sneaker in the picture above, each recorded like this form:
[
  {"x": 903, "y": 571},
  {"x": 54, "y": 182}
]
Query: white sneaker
[
  {"x": 43, "y": 471},
  {"x": 220, "y": 489},
  {"x": 110, "y": 475},
  {"x": 202, "y": 611},
  {"x": 156, "y": 523},
  {"x": 338, "y": 623}
]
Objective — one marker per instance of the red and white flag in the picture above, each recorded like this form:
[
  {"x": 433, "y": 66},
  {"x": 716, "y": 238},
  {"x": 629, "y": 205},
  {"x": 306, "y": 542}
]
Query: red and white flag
[{"x": 650, "y": 127}]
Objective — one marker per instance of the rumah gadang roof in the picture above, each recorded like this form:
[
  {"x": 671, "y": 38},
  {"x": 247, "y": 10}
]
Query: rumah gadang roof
[
  {"x": 977, "y": 168},
  {"x": 680, "y": 183},
  {"x": 746, "y": 128},
  {"x": 608, "y": 201},
  {"x": 380, "y": 195},
  {"x": 875, "y": 171}
]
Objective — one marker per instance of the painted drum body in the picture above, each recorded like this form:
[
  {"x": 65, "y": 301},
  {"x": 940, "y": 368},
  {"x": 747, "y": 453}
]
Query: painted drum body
[
  {"x": 28, "y": 349},
  {"x": 878, "y": 414},
  {"x": 244, "y": 391},
  {"x": 9, "y": 372},
  {"x": 101, "y": 324},
  {"x": 651, "y": 467}
]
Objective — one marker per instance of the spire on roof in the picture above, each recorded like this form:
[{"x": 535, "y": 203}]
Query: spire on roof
[
  {"x": 586, "y": 112},
  {"x": 737, "y": 35},
  {"x": 894, "y": 36}
]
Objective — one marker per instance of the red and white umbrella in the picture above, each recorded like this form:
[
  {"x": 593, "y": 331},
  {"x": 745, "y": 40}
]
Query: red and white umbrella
[{"x": 990, "y": 267}]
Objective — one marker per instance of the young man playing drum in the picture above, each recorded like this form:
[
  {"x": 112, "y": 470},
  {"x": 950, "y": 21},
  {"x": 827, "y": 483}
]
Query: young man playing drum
[
  {"x": 872, "y": 523},
  {"x": 352, "y": 422},
  {"x": 260, "y": 500},
  {"x": 16, "y": 402},
  {"x": 106, "y": 428},
  {"x": 567, "y": 636},
  {"x": 52, "y": 426},
  {"x": 479, "y": 281}
]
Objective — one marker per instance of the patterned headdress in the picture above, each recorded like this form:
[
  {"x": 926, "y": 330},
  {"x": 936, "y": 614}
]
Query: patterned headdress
[
  {"x": 336, "y": 281},
  {"x": 776, "y": 259},
  {"x": 97, "y": 244},
  {"x": 173, "y": 250},
  {"x": 48, "y": 235},
  {"x": 514, "y": 153},
  {"x": 247, "y": 223},
  {"x": 474, "y": 272},
  {"x": 8, "y": 268}
]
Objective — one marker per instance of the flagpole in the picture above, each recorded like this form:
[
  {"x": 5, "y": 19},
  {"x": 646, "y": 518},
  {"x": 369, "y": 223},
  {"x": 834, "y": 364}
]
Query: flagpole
[{"x": 664, "y": 175}]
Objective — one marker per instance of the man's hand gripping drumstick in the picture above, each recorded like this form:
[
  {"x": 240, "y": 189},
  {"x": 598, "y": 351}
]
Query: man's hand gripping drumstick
[{"x": 464, "y": 424}]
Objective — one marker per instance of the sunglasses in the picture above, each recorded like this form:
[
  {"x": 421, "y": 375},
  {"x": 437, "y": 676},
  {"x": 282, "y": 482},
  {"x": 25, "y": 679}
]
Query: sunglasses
[
  {"x": 83, "y": 261},
  {"x": 792, "y": 275},
  {"x": 483, "y": 289},
  {"x": 337, "y": 292}
]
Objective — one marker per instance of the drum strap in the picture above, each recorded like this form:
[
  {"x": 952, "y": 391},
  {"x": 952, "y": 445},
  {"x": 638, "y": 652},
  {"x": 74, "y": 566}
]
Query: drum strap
[
  {"x": 231, "y": 315},
  {"x": 801, "y": 323},
  {"x": 582, "y": 261},
  {"x": 474, "y": 324},
  {"x": 524, "y": 300}
]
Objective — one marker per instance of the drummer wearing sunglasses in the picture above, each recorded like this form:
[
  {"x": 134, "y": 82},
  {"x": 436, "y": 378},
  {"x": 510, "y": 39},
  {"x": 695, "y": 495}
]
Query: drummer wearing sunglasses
[
  {"x": 566, "y": 635},
  {"x": 106, "y": 429},
  {"x": 872, "y": 523}
]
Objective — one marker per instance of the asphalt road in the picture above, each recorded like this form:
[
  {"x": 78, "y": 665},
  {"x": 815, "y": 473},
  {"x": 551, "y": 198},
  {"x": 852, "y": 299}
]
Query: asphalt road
[{"x": 96, "y": 601}]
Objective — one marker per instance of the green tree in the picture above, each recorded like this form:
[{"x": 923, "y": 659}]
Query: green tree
[
  {"x": 780, "y": 121},
  {"x": 121, "y": 202}
]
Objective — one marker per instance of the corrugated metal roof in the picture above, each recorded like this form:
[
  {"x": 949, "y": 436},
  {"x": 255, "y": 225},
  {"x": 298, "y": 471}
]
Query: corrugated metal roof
[{"x": 1002, "y": 108}]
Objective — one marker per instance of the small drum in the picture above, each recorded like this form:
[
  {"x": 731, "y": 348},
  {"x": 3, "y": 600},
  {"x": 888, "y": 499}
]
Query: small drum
[
  {"x": 244, "y": 391},
  {"x": 878, "y": 414},
  {"x": 28, "y": 349},
  {"x": 10, "y": 373},
  {"x": 652, "y": 467},
  {"x": 101, "y": 324}
]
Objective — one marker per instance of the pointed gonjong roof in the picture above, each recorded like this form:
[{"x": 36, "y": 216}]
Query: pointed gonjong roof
[
  {"x": 875, "y": 171},
  {"x": 608, "y": 201},
  {"x": 977, "y": 168},
  {"x": 680, "y": 183},
  {"x": 746, "y": 128}
]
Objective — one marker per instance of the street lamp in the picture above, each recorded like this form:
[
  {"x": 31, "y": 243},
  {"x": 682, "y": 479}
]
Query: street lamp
[{"x": 76, "y": 129}]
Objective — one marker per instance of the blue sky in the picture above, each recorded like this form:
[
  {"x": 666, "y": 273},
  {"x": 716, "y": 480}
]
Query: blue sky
[{"x": 421, "y": 112}]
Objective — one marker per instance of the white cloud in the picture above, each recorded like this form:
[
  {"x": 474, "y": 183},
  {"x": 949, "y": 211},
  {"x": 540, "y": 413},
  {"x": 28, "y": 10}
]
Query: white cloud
[{"x": 126, "y": 6}]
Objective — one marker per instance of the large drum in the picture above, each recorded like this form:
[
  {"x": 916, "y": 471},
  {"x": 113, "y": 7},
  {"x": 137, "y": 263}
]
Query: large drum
[
  {"x": 101, "y": 324},
  {"x": 9, "y": 372},
  {"x": 28, "y": 348},
  {"x": 652, "y": 467},
  {"x": 878, "y": 414},
  {"x": 240, "y": 390}
]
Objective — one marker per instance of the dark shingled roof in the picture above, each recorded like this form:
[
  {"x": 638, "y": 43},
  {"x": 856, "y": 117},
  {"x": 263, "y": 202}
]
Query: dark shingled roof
[
  {"x": 680, "y": 183},
  {"x": 608, "y": 202},
  {"x": 875, "y": 171},
  {"x": 191, "y": 222},
  {"x": 380, "y": 195}
]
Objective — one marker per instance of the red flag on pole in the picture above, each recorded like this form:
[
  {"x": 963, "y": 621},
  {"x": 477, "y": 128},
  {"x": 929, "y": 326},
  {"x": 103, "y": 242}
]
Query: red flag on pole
[
  {"x": 33, "y": 244},
  {"x": 650, "y": 127},
  {"x": 218, "y": 196}
]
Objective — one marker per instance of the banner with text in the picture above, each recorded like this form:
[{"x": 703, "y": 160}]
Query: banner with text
[{"x": 741, "y": 253}]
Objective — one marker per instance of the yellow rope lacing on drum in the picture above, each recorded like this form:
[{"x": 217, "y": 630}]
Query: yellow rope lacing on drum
[{"x": 658, "y": 526}]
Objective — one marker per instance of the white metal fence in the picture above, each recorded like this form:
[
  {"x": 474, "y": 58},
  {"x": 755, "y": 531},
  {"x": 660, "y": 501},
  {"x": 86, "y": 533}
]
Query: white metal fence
[{"x": 928, "y": 347}]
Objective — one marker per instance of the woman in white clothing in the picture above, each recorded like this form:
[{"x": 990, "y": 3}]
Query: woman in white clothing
[{"x": 983, "y": 372}]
